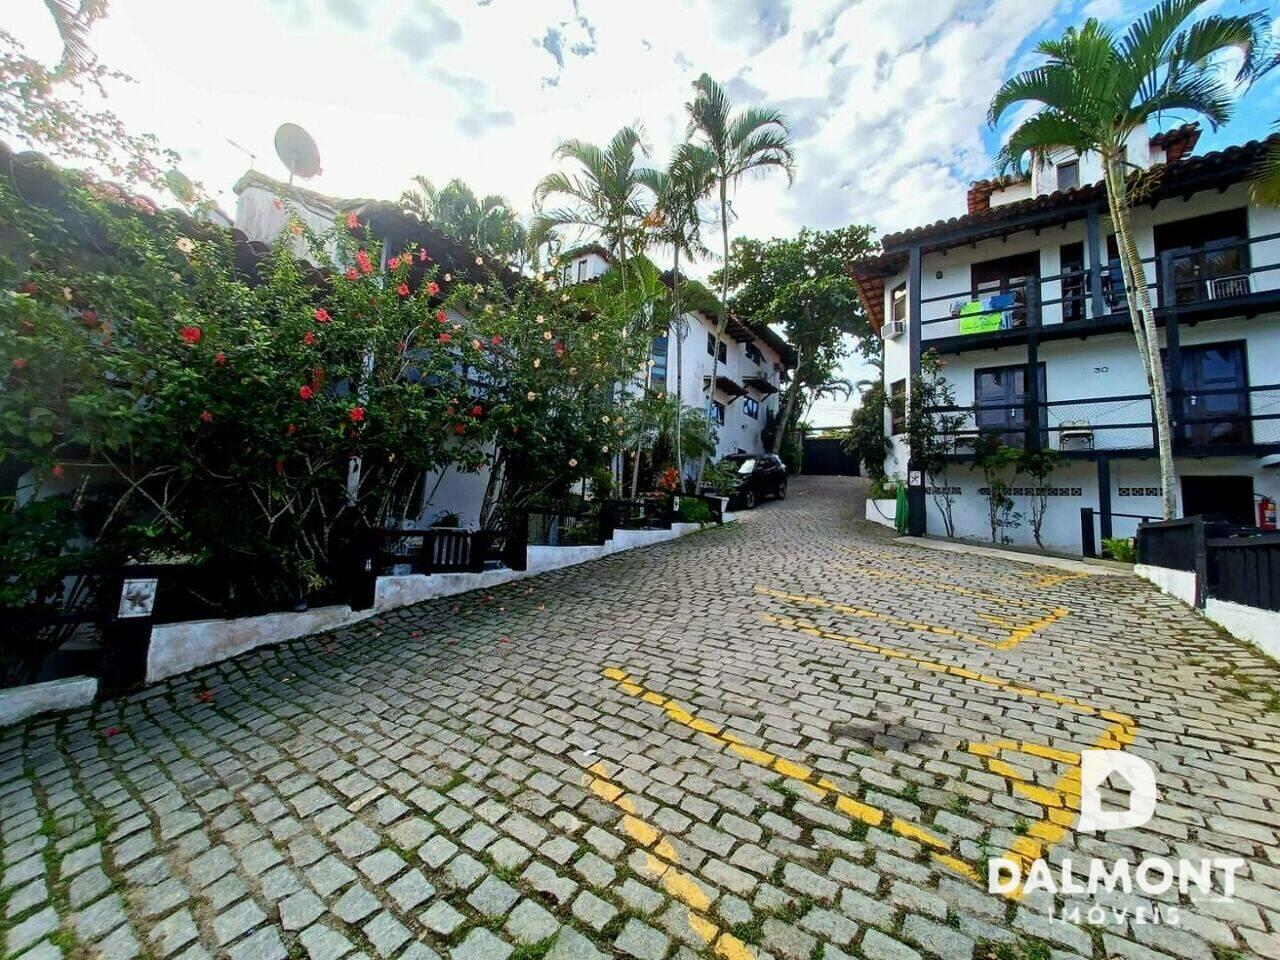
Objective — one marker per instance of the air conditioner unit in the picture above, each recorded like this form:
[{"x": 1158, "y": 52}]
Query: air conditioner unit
[{"x": 893, "y": 329}]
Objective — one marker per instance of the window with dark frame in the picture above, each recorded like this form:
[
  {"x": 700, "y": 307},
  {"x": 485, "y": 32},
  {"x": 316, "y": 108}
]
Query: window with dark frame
[
  {"x": 711, "y": 344},
  {"x": 751, "y": 407},
  {"x": 899, "y": 310},
  {"x": 658, "y": 370},
  {"x": 717, "y": 413},
  {"x": 897, "y": 407},
  {"x": 724, "y": 353},
  {"x": 582, "y": 270},
  {"x": 1069, "y": 175},
  {"x": 754, "y": 354}
]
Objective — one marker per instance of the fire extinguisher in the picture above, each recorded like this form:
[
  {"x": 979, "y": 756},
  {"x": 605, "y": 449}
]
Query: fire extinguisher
[{"x": 1266, "y": 513}]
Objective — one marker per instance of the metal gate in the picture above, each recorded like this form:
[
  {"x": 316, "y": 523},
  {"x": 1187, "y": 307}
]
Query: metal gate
[{"x": 826, "y": 457}]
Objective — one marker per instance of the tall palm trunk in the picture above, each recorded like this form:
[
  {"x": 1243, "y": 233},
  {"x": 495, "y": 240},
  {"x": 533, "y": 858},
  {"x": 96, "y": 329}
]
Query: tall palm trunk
[
  {"x": 788, "y": 406},
  {"x": 675, "y": 327},
  {"x": 1144, "y": 328},
  {"x": 724, "y": 305}
]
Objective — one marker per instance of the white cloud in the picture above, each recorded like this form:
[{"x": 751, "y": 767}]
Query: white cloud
[{"x": 887, "y": 99}]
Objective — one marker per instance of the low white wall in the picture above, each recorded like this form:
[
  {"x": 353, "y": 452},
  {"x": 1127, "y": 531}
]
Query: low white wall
[
  {"x": 883, "y": 512},
  {"x": 178, "y": 647},
  {"x": 19, "y": 703},
  {"x": 1176, "y": 583},
  {"x": 1253, "y": 624}
]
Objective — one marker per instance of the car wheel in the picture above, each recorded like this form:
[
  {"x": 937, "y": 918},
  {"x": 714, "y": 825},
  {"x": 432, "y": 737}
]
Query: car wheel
[
  {"x": 749, "y": 500},
  {"x": 782, "y": 490}
]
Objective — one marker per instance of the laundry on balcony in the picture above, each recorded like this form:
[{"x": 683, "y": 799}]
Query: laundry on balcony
[{"x": 986, "y": 314}]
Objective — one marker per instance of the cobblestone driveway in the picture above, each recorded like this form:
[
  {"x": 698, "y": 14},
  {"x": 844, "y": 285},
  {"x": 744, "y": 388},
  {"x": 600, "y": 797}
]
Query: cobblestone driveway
[{"x": 789, "y": 737}]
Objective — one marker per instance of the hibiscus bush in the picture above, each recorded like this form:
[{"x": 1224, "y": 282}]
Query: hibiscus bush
[{"x": 252, "y": 417}]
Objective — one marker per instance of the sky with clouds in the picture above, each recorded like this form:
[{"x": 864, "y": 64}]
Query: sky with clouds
[{"x": 887, "y": 98}]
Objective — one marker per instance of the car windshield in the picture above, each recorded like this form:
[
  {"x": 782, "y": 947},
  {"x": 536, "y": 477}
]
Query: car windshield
[{"x": 746, "y": 466}]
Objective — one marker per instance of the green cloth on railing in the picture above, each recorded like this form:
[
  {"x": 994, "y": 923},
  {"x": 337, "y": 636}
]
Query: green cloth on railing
[
  {"x": 900, "y": 512},
  {"x": 975, "y": 319}
]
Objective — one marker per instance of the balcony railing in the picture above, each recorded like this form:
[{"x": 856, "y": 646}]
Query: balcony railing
[
  {"x": 1221, "y": 273},
  {"x": 1202, "y": 421}
]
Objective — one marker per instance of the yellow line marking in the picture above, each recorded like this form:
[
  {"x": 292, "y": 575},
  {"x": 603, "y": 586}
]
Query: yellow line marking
[
  {"x": 798, "y": 774},
  {"x": 804, "y": 626},
  {"x": 1061, "y": 801},
  {"x": 1016, "y": 636},
  {"x": 1037, "y": 577},
  {"x": 944, "y": 587},
  {"x": 665, "y": 867}
]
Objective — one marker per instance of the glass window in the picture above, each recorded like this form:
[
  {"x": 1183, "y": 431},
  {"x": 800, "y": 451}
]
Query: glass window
[
  {"x": 897, "y": 406},
  {"x": 724, "y": 353},
  {"x": 566, "y": 274},
  {"x": 900, "y": 302},
  {"x": 1069, "y": 175},
  {"x": 751, "y": 407},
  {"x": 754, "y": 354},
  {"x": 746, "y": 466},
  {"x": 717, "y": 413},
  {"x": 658, "y": 369},
  {"x": 582, "y": 269},
  {"x": 711, "y": 344}
]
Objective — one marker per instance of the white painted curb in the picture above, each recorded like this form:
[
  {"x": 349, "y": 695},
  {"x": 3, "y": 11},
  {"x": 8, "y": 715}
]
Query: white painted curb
[{"x": 19, "y": 703}]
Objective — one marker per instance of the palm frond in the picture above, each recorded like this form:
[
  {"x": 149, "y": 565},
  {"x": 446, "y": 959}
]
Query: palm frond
[
  {"x": 1265, "y": 186},
  {"x": 1039, "y": 135}
]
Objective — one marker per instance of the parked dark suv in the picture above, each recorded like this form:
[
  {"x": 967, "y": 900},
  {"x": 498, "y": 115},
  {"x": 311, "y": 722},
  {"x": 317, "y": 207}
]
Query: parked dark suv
[{"x": 759, "y": 476}]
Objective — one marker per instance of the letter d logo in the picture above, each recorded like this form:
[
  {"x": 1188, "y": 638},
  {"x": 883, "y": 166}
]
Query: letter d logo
[{"x": 1095, "y": 767}]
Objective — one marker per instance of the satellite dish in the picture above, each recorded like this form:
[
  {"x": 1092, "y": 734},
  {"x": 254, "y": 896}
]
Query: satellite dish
[{"x": 297, "y": 151}]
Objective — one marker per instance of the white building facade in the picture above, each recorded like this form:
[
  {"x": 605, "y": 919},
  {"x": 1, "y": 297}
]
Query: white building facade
[
  {"x": 750, "y": 374},
  {"x": 1022, "y": 301}
]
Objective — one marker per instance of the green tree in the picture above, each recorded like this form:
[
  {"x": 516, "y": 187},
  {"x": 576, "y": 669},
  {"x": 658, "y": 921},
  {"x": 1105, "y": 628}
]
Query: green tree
[
  {"x": 932, "y": 423},
  {"x": 1096, "y": 90},
  {"x": 45, "y": 106},
  {"x": 733, "y": 144},
  {"x": 866, "y": 438},
  {"x": 802, "y": 284},
  {"x": 489, "y": 224},
  {"x": 605, "y": 197}
]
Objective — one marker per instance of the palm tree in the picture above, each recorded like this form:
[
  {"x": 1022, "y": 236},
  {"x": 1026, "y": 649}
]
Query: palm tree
[
  {"x": 1097, "y": 89},
  {"x": 603, "y": 197},
  {"x": 488, "y": 225},
  {"x": 676, "y": 222},
  {"x": 732, "y": 144},
  {"x": 73, "y": 21}
]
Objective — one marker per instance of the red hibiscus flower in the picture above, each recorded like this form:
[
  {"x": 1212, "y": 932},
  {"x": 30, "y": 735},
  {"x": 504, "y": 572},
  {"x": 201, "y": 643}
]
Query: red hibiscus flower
[
  {"x": 220, "y": 359},
  {"x": 444, "y": 338},
  {"x": 322, "y": 315},
  {"x": 291, "y": 429},
  {"x": 89, "y": 318},
  {"x": 305, "y": 392},
  {"x": 403, "y": 289},
  {"x": 206, "y": 416},
  {"x": 441, "y": 317},
  {"x": 308, "y": 338},
  {"x": 356, "y": 414},
  {"x": 433, "y": 288},
  {"x": 191, "y": 335},
  {"x": 58, "y": 471},
  {"x": 477, "y": 410},
  {"x": 460, "y": 428},
  {"x": 352, "y": 221},
  {"x": 352, "y": 274},
  {"x": 18, "y": 363},
  {"x": 394, "y": 263},
  {"x": 363, "y": 262},
  {"x": 278, "y": 203},
  {"x": 495, "y": 339}
]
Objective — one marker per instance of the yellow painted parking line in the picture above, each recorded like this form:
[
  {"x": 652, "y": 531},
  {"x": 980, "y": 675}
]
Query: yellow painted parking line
[
  {"x": 1037, "y": 578},
  {"x": 934, "y": 584},
  {"x": 1017, "y": 632},
  {"x": 1061, "y": 801},
  {"x": 796, "y": 773},
  {"x": 663, "y": 863},
  {"x": 1020, "y": 690}
]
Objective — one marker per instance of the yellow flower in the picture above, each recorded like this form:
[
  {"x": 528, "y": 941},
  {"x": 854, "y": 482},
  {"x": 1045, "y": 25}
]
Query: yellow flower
[{"x": 184, "y": 245}]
